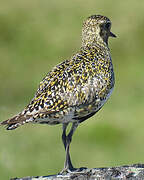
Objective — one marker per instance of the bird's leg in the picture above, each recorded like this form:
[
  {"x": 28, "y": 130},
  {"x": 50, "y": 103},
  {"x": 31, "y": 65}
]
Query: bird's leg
[
  {"x": 64, "y": 135},
  {"x": 68, "y": 164},
  {"x": 66, "y": 141}
]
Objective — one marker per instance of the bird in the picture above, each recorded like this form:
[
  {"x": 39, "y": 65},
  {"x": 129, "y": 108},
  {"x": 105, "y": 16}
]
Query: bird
[{"x": 76, "y": 89}]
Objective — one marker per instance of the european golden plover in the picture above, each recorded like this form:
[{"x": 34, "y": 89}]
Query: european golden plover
[{"x": 77, "y": 88}]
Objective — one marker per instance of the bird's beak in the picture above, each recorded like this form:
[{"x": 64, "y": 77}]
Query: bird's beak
[{"x": 112, "y": 35}]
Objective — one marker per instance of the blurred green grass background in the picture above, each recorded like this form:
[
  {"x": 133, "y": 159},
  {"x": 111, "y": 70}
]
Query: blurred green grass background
[{"x": 37, "y": 35}]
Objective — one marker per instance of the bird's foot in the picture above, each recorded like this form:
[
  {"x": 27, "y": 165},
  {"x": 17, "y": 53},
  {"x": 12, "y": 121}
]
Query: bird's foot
[
  {"x": 80, "y": 169},
  {"x": 72, "y": 170},
  {"x": 67, "y": 170}
]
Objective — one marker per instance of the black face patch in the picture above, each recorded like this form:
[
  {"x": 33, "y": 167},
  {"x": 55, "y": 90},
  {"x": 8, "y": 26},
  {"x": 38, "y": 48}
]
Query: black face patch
[
  {"x": 104, "y": 29},
  {"x": 107, "y": 26}
]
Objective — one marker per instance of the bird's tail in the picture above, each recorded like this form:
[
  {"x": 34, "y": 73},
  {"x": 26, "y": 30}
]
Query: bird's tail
[{"x": 15, "y": 121}]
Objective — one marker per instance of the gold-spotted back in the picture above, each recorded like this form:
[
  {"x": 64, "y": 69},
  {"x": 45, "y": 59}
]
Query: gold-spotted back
[{"x": 77, "y": 88}]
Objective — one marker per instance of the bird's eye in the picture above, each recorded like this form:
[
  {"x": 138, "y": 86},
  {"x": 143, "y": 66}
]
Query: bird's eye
[{"x": 107, "y": 25}]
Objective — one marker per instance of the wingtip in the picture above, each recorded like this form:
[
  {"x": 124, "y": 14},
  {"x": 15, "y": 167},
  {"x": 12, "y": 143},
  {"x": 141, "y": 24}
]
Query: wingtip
[
  {"x": 9, "y": 126},
  {"x": 11, "y": 123},
  {"x": 4, "y": 122}
]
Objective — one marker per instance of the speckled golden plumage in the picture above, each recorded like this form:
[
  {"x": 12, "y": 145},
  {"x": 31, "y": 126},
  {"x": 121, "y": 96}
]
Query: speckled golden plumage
[{"x": 77, "y": 88}]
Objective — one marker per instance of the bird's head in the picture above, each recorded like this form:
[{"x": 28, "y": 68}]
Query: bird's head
[{"x": 96, "y": 29}]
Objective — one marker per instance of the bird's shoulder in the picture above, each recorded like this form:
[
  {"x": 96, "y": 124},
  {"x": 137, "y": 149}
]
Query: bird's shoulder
[
  {"x": 80, "y": 65},
  {"x": 68, "y": 84}
]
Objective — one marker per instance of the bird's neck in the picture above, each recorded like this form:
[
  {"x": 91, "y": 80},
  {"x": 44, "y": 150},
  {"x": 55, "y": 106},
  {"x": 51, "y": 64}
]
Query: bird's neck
[
  {"x": 94, "y": 41},
  {"x": 98, "y": 45}
]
